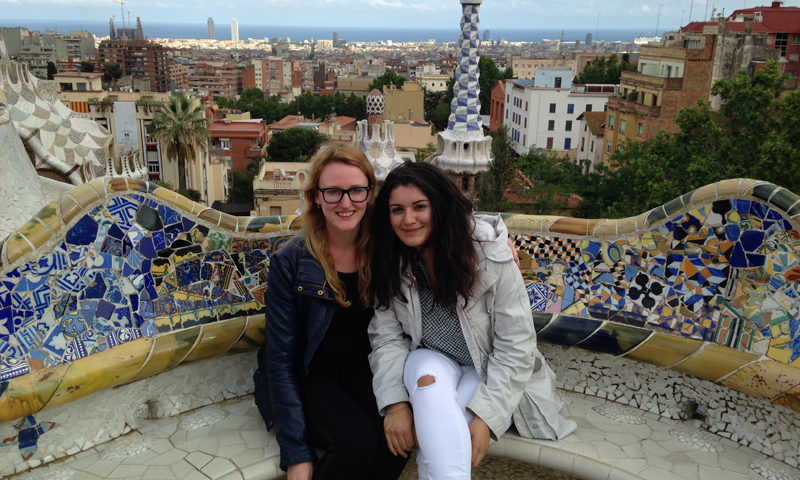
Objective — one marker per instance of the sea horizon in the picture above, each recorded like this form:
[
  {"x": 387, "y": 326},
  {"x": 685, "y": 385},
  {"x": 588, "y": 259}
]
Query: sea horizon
[{"x": 297, "y": 33}]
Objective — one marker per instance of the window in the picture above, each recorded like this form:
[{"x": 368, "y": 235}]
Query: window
[
  {"x": 608, "y": 146},
  {"x": 552, "y": 108},
  {"x": 570, "y": 108},
  {"x": 781, "y": 40},
  {"x": 526, "y": 122},
  {"x": 589, "y": 107},
  {"x": 583, "y": 143},
  {"x": 549, "y": 143},
  {"x": 591, "y": 148},
  {"x": 65, "y": 87},
  {"x": 567, "y": 143},
  {"x": 508, "y": 98},
  {"x": 640, "y": 129},
  {"x": 558, "y": 82},
  {"x": 568, "y": 126},
  {"x": 524, "y": 140},
  {"x": 526, "y": 106},
  {"x": 465, "y": 183},
  {"x": 655, "y": 100},
  {"x": 622, "y": 124},
  {"x": 551, "y": 125},
  {"x": 795, "y": 39},
  {"x": 225, "y": 143},
  {"x": 506, "y": 114},
  {"x": 611, "y": 122}
]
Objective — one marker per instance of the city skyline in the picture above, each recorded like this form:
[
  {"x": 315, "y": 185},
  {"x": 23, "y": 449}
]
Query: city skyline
[{"x": 648, "y": 15}]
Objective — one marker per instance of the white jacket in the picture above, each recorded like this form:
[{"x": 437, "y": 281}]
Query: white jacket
[{"x": 516, "y": 382}]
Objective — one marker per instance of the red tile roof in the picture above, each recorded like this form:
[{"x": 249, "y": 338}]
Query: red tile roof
[
  {"x": 238, "y": 129},
  {"x": 775, "y": 19}
]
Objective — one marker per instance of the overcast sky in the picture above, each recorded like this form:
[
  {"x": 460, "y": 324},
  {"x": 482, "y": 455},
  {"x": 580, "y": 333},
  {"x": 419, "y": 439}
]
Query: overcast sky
[{"x": 494, "y": 14}]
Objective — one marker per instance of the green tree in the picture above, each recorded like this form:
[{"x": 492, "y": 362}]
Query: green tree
[
  {"x": 604, "y": 70},
  {"x": 112, "y": 71},
  {"x": 181, "y": 127},
  {"x": 51, "y": 70},
  {"x": 390, "y": 77},
  {"x": 294, "y": 145},
  {"x": 87, "y": 66},
  {"x": 489, "y": 75},
  {"x": 425, "y": 152},
  {"x": 491, "y": 186},
  {"x": 755, "y": 134}
]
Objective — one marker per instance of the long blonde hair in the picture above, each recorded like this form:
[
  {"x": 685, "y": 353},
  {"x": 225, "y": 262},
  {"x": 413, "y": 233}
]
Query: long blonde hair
[{"x": 314, "y": 222}]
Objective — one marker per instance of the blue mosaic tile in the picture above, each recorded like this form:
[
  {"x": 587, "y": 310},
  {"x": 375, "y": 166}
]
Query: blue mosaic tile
[
  {"x": 569, "y": 330},
  {"x": 84, "y": 232}
]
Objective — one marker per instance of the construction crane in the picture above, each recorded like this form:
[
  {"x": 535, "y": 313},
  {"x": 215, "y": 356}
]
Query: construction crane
[{"x": 121, "y": 10}]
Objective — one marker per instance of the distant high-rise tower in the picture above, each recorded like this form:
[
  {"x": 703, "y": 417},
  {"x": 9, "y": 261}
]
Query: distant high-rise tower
[
  {"x": 463, "y": 150},
  {"x": 487, "y": 35},
  {"x": 335, "y": 38},
  {"x": 235, "y": 30},
  {"x": 211, "y": 28},
  {"x": 589, "y": 38}
]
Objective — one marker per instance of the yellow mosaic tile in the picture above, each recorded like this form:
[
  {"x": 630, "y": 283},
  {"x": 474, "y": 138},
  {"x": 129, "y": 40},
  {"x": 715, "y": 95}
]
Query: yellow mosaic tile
[
  {"x": 705, "y": 194},
  {"x": 241, "y": 223},
  {"x": 747, "y": 185},
  {"x": 49, "y": 215},
  {"x": 36, "y": 233},
  {"x": 253, "y": 335},
  {"x": 228, "y": 222},
  {"x": 27, "y": 394},
  {"x": 137, "y": 185},
  {"x": 766, "y": 379},
  {"x": 790, "y": 399},
  {"x": 605, "y": 229},
  {"x": 116, "y": 185},
  {"x": 664, "y": 349},
  {"x": 531, "y": 224},
  {"x": 84, "y": 194},
  {"x": 168, "y": 351},
  {"x": 211, "y": 215},
  {"x": 69, "y": 208},
  {"x": 715, "y": 361},
  {"x": 166, "y": 194},
  {"x": 182, "y": 202},
  {"x": 779, "y": 344},
  {"x": 728, "y": 188},
  {"x": 626, "y": 226},
  {"x": 101, "y": 370},
  {"x": 217, "y": 338},
  {"x": 571, "y": 226},
  {"x": 16, "y": 246}
]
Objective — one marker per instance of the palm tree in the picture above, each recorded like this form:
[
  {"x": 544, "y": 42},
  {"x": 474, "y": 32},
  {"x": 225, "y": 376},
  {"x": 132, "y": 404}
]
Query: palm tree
[{"x": 181, "y": 127}]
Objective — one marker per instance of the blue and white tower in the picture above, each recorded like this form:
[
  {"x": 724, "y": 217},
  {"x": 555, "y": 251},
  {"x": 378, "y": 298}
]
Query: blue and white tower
[{"x": 463, "y": 149}]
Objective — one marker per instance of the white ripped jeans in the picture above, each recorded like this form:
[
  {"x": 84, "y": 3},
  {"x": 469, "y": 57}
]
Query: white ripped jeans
[{"x": 440, "y": 416}]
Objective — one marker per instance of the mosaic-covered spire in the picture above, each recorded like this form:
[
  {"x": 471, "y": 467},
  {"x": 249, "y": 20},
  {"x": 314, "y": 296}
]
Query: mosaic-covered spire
[
  {"x": 463, "y": 149},
  {"x": 465, "y": 108}
]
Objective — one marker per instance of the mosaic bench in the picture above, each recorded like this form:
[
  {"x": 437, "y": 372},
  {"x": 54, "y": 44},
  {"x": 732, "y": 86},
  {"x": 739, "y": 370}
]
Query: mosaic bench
[{"x": 688, "y": 311}]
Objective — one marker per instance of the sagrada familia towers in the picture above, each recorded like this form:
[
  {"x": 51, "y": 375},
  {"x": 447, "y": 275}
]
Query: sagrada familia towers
[{"x": 463, "y": 150}]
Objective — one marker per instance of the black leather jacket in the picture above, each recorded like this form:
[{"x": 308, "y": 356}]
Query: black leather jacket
[{"x": 299, "y": 307}]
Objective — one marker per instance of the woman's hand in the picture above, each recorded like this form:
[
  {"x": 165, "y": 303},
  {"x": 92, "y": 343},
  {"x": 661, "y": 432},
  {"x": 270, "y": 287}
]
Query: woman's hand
[
  {"x": 480, "y": 434},
  {"x": 398, "y": 426},
  {"x": 300, "y": 471}
]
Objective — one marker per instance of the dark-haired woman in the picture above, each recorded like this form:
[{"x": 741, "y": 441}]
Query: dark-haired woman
[
  {"x": 452, "y": 337},
  {"x": 314, "y": 381}
]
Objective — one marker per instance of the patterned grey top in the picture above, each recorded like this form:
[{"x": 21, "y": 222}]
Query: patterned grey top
[{"x": 441, "y": 330}]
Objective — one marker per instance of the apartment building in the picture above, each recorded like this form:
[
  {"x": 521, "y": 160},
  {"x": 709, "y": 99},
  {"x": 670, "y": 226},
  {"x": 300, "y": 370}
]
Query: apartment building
[
  {"x": 591, "y": 128},
  {"x": 543, "y": 113},
  {"x": 404, "y": 104},
  {"x": 675, "y": 75},
  {"x": 216, "y": 79},
  {"x": 273, "y": 75},
  {"x": 780, "y": 25},
  {"x": 139, "y": 58}
]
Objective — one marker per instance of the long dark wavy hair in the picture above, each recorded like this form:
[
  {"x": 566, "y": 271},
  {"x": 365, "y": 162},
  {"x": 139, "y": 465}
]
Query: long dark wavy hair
[{"x": 455, "y": 260}]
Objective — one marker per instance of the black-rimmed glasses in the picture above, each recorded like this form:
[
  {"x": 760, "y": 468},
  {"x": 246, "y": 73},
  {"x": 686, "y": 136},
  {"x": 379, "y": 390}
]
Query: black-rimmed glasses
[{"x": 355, "y": 194}]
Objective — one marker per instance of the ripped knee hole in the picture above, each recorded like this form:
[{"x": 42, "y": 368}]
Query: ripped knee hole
[{"x": 426, "y": 380}]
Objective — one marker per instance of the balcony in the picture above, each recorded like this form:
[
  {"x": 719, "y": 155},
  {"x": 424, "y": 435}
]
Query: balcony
[
  {"x": 219, "y": 155},
  {"x": 630, "y": 106},
  {"x": 639, "y": 81}
]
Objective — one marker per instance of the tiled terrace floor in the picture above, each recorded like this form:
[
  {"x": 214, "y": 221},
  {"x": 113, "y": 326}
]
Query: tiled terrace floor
[{"x": 228, "y": 441}]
